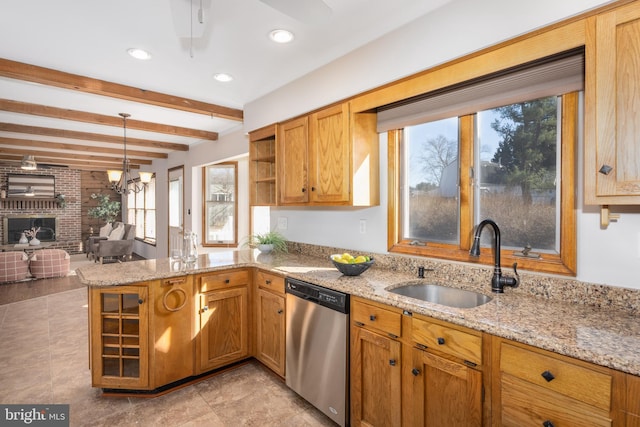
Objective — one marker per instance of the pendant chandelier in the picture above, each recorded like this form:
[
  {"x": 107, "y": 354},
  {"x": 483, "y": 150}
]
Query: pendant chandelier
[{"x": 120, "y": 179}]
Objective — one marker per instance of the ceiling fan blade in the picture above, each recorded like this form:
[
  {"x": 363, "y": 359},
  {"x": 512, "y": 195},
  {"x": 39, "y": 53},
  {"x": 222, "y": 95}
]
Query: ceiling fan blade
[{"x": 302, "y": 10}]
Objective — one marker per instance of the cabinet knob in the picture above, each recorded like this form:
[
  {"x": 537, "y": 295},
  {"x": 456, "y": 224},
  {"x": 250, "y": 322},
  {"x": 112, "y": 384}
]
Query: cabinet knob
[
  {"x": 415, "y": 372},
  {"x": 140, "y": 300},
  {"x": 547, "y": 423},
  {"x": 268, "y": 282},
  {"x": 304, "y": 189},
  {"x": 392, "y": 362},
  {"x": 440, "y": 341},
  {"x": 547, "y": 376},
  {"x": 227, "y": 281},
  {"x": 205, "y": 308},
  {"x": 605, "y": 169},
  {"x": 372, "y": 317},
  {"x": 313, "y": 188},
  {"x": 280, "y": 311}
]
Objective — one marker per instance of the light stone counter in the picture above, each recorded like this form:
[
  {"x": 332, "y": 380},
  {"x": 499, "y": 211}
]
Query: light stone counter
[{"x": 592, "y": 323}]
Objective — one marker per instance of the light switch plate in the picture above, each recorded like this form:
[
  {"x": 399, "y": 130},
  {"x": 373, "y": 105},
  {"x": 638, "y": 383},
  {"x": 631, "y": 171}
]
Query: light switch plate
[{"x": 282, "y": 223}]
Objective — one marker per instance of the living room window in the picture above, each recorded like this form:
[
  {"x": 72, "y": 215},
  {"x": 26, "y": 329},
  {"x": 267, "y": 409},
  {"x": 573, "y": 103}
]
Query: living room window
[
  {"x": 509, "y": 157},
  {"x": 141, "y": 210},
  {"x": 220, "y": 195}
]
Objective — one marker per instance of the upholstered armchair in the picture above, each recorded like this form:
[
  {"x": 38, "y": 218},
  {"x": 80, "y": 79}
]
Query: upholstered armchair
[{"x": 119, "y": 243}]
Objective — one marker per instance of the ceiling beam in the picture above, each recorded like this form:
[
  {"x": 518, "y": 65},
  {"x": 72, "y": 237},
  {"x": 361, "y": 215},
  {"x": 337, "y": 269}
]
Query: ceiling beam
[
  {"x": 73, "y": 164},
  {"x": 75, "y": 156},
  {"x": 88, "y": 136},
  {"x": 50, "y": 77},
  {"x": 101, "y": 119},
  {"x": 77, "y": 147}
]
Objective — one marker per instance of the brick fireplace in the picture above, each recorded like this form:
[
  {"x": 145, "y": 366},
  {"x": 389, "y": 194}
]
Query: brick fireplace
[{"x": 68, "y": 233}]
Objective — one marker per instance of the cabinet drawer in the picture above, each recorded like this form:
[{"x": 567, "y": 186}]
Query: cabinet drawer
[
  {"x": 378, "y": 318},
  {"x": 577, "y": 382},
  {"x": 221, "y": 280},
  {"x": 526, "y": 404},
  {"x": 448, "y": 340},
  {"x": 270, "y": 281}
]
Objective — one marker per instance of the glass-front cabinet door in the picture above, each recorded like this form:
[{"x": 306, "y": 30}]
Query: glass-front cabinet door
[{"x": 119, "y": 344}]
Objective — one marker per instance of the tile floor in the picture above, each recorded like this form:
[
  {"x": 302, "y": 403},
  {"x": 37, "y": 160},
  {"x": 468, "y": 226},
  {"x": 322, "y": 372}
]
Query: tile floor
[{"x": 44, "y": 359}]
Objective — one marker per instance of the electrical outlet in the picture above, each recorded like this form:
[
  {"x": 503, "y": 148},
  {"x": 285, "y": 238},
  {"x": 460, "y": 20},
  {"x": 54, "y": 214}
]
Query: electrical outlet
[
  {"x": 282, "y": 223},
  {"x": 363, "y": 226}
]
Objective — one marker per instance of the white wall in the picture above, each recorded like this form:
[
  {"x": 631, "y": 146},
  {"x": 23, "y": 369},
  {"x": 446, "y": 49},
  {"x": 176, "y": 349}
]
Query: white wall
[
  {"x": 609, "y": 256},
  {"x": 231, "y": 146}
]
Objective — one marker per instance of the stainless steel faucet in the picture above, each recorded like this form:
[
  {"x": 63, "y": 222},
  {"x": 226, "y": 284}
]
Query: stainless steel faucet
[{"x": 498, "y": 282}]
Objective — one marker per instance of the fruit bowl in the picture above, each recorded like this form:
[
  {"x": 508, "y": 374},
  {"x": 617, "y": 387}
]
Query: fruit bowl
[{"x": 351, "y": 269}]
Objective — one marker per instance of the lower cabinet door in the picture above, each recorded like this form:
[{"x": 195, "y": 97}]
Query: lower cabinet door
[
  {"x": 375, "y": 379},
  {"x": 223, "y": 327},
  {"x": 445, "y": 393},
  {"x": 270, "y": 339}
]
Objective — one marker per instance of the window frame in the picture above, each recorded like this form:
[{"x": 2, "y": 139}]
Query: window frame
[
  {"x": 563, "y": 263},
  {"x": 224, "y": 244},
  {"x": 145, "y": 209}
]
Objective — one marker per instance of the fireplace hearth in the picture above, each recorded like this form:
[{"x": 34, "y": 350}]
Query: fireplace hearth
[{"x": 15, "y": 225}]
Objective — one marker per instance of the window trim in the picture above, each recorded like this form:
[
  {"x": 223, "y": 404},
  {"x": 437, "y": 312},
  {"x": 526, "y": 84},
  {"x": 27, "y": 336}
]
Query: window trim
[
  {"x": 203, "y": 242},
  {"x": 564, "y": 263}
]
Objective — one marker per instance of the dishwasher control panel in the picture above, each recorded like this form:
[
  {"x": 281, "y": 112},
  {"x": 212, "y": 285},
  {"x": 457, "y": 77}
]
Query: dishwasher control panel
[{"x": 329, "y": 298}]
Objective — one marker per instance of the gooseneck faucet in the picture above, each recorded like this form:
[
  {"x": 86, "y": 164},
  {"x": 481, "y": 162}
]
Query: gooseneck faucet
[{"x": 498, "y": 282}]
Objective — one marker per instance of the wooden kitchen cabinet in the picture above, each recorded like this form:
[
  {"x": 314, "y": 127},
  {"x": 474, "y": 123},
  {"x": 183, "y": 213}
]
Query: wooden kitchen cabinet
[
  {"x": 171, "y": 330},
  {"x": 612, "y": 107},
  {"x": 119, "y": 322},
  {"x": 447, "y": 374},
  {"x": 633, "y": 401},
  {"x": 263, "y": 167},
  {"x": 537, "y": 387},
  {"x": 270, "y": 321},
  {"x": 376, "y": 366},
  {"x": 223, "y": 313},
  {"x": 329, "y": 157}
]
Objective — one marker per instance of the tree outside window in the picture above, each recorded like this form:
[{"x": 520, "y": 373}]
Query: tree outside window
[{"x": 220, "y": 204}]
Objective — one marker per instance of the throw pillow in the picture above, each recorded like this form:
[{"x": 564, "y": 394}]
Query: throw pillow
[
  {"x": 117, "y": 233},
  {"x": 106, "y": 230}
]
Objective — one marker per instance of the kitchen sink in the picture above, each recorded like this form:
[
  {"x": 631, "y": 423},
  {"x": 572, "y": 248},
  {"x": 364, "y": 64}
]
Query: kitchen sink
[{"x": 451, "y": 297}]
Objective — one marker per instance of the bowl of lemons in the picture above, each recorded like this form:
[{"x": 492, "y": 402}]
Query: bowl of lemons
[{"x": 349, "y": 265}]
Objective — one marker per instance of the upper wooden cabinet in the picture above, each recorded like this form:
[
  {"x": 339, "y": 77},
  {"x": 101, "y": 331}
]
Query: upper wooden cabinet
[
  {"x": 330, "y": 157},
  {"x": 262, "y": 167},
  {"x": 612, "y": 107}
]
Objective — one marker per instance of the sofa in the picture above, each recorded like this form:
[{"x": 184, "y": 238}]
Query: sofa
[
  {"x": 48, "y": 263},
  {"x": 14, "y": 266},
  {"x": 115, "y": 241}
]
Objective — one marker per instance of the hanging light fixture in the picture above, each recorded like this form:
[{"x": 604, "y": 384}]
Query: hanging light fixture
[
  {"x": 120, "y": 178},
  {"x": 28, "y": 163}
]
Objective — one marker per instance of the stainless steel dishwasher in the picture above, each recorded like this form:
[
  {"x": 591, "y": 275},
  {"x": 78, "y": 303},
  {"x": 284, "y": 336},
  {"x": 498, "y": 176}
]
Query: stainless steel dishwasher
[{"x": 317, "y": 343}]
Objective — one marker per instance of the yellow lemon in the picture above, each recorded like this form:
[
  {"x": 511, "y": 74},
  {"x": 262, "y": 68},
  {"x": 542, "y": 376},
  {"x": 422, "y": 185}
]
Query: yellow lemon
[{"x": 360, "y": 259}]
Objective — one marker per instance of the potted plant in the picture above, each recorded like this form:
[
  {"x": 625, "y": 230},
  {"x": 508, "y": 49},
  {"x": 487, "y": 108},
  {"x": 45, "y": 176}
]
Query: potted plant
[
  {"x": 267, "y": 242},
  {"x": 106, "y": 210}
]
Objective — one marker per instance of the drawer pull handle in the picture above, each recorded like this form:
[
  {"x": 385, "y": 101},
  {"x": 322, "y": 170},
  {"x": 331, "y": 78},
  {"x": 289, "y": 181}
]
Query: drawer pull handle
[
  {"x": 605, "y": 169},
  {"x": 415, "y": 372},
  {"x": 227, "y": 281},
  {"x": 548, "y": 376},
  {"x": 280, "y": 311},
  {"x": 372, "y": 317},
  {"x": 392, "y": 362},
  {"x": 268, "y": 282},
  {"x": 440, "y": 341},
  {"x": 547, "y": 424}
]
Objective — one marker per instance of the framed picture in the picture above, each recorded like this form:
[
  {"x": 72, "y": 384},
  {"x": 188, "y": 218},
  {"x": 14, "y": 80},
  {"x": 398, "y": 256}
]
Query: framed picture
[{"x": 23, "y": 185}]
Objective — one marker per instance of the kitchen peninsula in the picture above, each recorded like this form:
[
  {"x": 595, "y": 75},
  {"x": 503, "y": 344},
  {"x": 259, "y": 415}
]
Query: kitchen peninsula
[{"x": 547, "y": 320}]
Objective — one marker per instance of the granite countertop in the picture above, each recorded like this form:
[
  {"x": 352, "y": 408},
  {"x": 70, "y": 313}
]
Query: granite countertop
[{"x": 607, "y": 336}]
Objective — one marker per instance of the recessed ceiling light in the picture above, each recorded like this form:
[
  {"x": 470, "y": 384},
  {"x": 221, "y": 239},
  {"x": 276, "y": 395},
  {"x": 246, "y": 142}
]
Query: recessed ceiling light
[
  {"x": 139, "y": 53},
  {"x": 223, "y": 77},
  {"x": 281, "y": 36}
]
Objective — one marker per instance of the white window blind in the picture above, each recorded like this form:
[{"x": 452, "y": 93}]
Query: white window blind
[{"x": 552, "y": 76}]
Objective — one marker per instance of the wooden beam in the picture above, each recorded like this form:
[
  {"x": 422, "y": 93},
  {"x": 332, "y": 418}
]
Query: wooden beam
[
  {"x": 77, "y": 147},
  {"x": 50, "y": 77},
  {"x": 88, "y": 136},
  {"x": 75, "y": 156},
  {"x": 101, "y": 119},
  {"x": 74, "y": 164}
]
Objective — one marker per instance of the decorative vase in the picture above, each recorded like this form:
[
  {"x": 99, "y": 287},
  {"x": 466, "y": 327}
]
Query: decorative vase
[
  {"x": 34, "y": 242},
  {"x": 23, "y": 239},
  {"x": 266, "y": 248}
]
